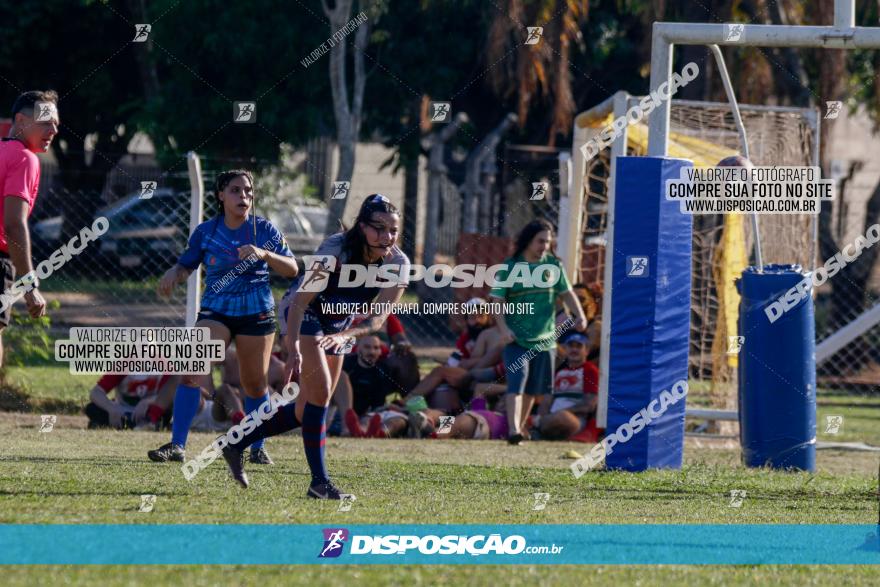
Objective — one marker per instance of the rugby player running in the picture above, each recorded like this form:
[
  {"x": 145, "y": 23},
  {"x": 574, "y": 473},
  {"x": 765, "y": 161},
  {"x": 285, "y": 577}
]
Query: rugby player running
[
  {"x": 317, "y": 341},
  {"x": 237, "y": 249}
]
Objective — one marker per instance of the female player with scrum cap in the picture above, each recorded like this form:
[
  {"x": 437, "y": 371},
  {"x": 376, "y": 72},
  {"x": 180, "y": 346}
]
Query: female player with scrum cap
[
  {"x": 318, "y": 340},
  {"x": 237, "y": 249}
]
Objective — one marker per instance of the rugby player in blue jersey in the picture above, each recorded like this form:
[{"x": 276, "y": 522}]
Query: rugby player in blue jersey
[
  {"x": 317, "y": 340},
  {"x": 237, "y": 249}
]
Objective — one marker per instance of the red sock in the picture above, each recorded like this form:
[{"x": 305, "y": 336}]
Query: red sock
[
  {"x": 155, "y": 413},
  {"x": 237, "y": 417},
  {"x": 375, "y": 428},
  {"x": 353, "y": 423}
]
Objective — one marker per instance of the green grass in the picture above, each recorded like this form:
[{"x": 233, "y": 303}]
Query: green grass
[
  {"x": 45, "y": 388},
  {"x": 71, "y": 475},
  {"x": 861, "y": 418},
  {"x": 74, "y": 475},
  {"x": 472, "y": 576}
]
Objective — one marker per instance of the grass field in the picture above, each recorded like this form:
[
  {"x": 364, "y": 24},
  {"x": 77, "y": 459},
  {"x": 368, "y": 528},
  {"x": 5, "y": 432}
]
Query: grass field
[
  {"x": 71, "y": 475},
  {"x": 476, "y": 576}
]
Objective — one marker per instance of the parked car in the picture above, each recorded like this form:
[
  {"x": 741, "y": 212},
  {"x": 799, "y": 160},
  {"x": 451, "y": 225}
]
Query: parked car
[
  {"x": 146, "y": 236},
  {"x": 48, "y": 229},
  {"x": 45, "y": 237},
  {"x": 303, "y": 227}
]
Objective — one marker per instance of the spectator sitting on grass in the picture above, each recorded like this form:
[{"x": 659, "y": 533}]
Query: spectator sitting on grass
[
  {"x": 133, "y": 404},
  {"x": 391, "y": 421},
  {"x": 449, "y": 386},
  {"x": 218, "y": 410},
  {"x": 365, "y": 382},
  {"x": 478, "y": 422},
  {"x": 226, "y": 400},
  {"x": 573, "y": 402},
  {"x": 403, "y": 366}
]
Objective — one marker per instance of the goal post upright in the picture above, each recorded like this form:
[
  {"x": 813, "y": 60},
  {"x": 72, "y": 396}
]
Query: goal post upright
[
  {"x": 618, "y": 149},
  {"x": 196, "y": 208}
]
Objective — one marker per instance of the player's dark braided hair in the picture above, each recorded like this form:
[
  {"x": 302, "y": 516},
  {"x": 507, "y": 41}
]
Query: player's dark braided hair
[
  {"x": 528, "y": 232},
  {"x": 223, "y": 179},
  {"x": 355, "y": 241}
]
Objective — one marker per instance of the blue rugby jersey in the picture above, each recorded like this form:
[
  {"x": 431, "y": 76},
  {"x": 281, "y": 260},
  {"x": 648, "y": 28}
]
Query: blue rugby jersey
[{"x": 233, "y": 286}]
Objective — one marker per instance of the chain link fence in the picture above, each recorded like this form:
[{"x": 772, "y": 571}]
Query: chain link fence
[
  {"x": 522, "y": 167},
  {"x": 777, "y": 136},
  {"x": 854, "y": 290},
  {"x": 112, "y": 282}
]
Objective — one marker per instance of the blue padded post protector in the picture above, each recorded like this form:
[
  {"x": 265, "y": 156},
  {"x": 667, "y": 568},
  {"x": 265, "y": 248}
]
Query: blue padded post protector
[{"x": 650, "y": 312}]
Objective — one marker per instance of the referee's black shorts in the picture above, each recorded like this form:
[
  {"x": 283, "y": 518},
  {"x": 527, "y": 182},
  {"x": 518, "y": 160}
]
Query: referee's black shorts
[{"x": 8, "y": 276}]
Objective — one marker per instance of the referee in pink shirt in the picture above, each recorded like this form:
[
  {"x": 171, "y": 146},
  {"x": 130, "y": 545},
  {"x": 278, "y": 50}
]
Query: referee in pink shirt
[{"x": 34, "y": 125}]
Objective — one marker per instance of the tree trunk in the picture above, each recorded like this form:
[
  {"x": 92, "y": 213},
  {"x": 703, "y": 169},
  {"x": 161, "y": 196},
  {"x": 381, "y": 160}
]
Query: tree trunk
[
  {"x": 143, "y": 54},
  {"x": 791, "y": 80},
  {"x": 348, "y": 115},
  {"x": 411, "y": 207}
]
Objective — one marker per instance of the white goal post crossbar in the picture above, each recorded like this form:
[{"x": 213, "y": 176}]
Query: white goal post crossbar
[{"x": 843, "y": 34}]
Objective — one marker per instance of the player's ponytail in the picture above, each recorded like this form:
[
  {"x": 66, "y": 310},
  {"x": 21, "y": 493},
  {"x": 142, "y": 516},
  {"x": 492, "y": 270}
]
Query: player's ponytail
[{"x": 355, "y": 241}]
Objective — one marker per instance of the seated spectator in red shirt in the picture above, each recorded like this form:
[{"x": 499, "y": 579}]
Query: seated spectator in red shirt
[
  {"x": 467, "y": 341},
  {"x": 575, "y": 390},
  {"x": 133, "y": 397}
]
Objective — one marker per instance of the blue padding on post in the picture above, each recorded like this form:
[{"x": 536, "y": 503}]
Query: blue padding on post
[
  {"x": 777, "y": 370},
  {"x": 650, "y": 311}
]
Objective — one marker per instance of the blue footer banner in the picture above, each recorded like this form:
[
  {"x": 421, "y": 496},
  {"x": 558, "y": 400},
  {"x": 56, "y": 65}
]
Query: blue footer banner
[{"x": 439, "y": 544}]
